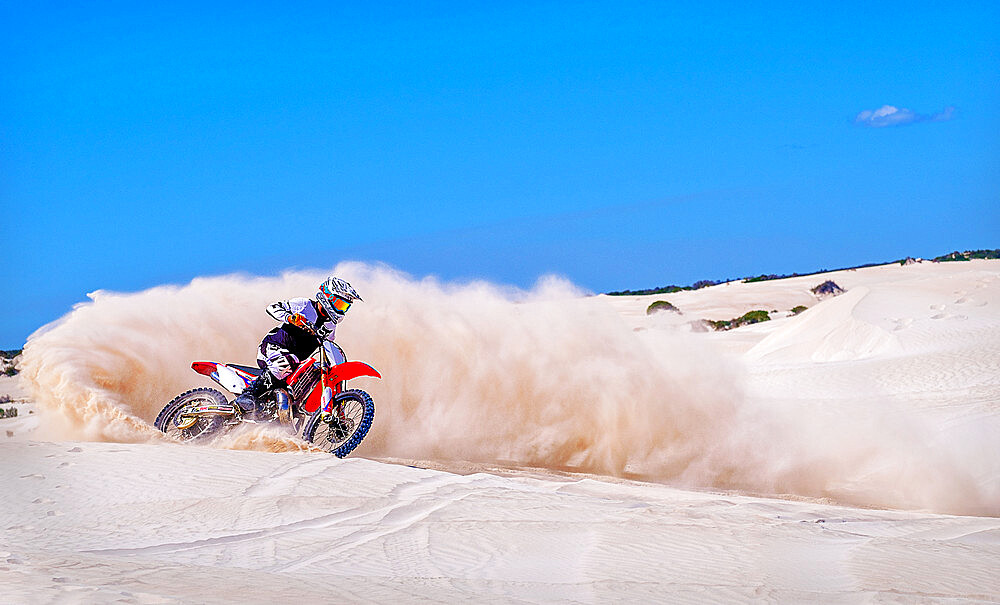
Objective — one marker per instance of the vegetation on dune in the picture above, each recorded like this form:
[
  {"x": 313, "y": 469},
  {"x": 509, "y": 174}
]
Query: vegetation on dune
[
  {"x": 968, "y": 255},
  {"x": 750, "y": 280},
  {"x": 698, "y": 285},
  {"x": 759, "y": 278},
  {"x": 7, "y": 364},
  {"x": 746, "y": 319},
  {"x": 10, "y": 412},
  {"x": 704, "y": 283},
  {"x": 661, "y": 305},
  {"x": 660, "y": 290},
  {"x": 827, "y": 288},
  {"x": 954, "y": 256}
]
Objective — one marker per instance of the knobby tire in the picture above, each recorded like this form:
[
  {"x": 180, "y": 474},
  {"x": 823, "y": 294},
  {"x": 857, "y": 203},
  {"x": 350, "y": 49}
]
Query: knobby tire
[
  {"x": 204, "y": 427},
  {"x": 317, "y": 432}
]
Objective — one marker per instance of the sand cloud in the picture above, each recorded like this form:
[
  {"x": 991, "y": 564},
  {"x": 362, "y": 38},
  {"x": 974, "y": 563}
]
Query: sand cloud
[
  {"x": 889, "y": 115},
  {"x": 547, "y": 378}
]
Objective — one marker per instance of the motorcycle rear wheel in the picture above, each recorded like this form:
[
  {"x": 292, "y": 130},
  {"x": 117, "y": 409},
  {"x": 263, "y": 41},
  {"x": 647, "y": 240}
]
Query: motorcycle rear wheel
[
  {"x": 172, "y": 421},
  {"x": 346, "y": 431}
]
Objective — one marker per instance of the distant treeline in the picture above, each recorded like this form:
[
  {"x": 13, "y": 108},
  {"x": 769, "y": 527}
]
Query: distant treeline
[
  {"x": 698, "y": 285},
  {"x": 968, "y": 255},
  {"x": 749, "y": 280},
  {"x": 954, "y": 256},
  {"x": 10, "y": 353}
]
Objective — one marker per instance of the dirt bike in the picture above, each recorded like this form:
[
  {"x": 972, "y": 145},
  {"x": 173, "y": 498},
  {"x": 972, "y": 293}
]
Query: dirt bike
[{"x": 313, "y": 400}]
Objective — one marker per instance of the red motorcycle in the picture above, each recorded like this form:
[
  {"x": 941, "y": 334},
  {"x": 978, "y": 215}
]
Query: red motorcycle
[{"x": 314, "y": 402}]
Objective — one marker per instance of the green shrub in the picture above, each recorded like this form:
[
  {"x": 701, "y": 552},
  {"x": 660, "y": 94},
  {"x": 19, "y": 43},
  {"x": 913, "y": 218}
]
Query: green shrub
[
  {"x": 751, "y": 317},
  {"x": 828, "y": 288},
  {"x": 661, "y": 305},
  {"x": 798, "y": 309},
  {"x": 7, "y": 361}
]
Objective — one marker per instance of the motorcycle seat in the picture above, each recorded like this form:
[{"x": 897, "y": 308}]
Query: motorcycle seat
[{"x": 248, "y": 369}]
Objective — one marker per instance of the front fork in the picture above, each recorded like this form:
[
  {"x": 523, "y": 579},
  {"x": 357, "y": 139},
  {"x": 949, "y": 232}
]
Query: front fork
[{"x": 326, "y": 401}]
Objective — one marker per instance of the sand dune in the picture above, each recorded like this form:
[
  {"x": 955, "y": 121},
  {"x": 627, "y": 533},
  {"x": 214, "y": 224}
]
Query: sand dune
[
  {"x": 817, "y": 457},
  {"x": 98, "y": 522}
]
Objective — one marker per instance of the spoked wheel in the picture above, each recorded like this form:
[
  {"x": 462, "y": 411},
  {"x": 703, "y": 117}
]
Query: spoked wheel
[
  {"x": 173, "y": 420},
  {"x": 353, "y": 412}
]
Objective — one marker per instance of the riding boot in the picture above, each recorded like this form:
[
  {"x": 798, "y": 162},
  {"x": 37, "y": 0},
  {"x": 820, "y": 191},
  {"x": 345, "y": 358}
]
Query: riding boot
[{"x": 250, "y": 399}]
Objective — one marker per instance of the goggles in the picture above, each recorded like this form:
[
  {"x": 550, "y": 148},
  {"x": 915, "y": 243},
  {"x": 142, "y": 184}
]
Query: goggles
[{"x": 340, "y": 305}]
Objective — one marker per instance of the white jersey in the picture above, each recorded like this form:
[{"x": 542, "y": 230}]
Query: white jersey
[
  {"x": 284, "y": 309},
  {"x": 285, "y": 347}
]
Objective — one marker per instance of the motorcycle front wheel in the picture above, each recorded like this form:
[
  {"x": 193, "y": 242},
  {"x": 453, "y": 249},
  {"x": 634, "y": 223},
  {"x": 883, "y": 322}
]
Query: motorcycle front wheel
[
  {"x": 353, "y": 412},
  {"x": 175, "y": 423}
]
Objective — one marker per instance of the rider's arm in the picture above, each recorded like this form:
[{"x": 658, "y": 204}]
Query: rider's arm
[
  {"x": 279, "y": 310},
  {"x": 296, "y": 311},
  {"x": 286, "y": 313}
]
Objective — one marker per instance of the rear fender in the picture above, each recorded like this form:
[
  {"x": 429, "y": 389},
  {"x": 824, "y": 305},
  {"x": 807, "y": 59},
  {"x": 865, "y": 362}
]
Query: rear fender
[{"x": 229, "y": 378}]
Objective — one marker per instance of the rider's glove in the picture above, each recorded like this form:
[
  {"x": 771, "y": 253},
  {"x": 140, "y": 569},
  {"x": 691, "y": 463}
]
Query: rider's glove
[{"x": 298, "y": 319}]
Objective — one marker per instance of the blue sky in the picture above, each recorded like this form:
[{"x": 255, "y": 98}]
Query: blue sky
[{"x": 622, "y": 145}]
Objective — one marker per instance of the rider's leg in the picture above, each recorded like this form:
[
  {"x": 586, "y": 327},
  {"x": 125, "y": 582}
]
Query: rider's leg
[
  {"x": 252, "y": 397},
  {"x": 277, "y": 364}
]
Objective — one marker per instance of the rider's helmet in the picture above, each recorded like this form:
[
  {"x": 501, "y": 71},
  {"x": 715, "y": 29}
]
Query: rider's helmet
[{"x": 335, "y": 296}]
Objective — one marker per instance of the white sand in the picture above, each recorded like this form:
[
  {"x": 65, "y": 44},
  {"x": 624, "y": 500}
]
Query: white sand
[{"x": 887, "y": 397}]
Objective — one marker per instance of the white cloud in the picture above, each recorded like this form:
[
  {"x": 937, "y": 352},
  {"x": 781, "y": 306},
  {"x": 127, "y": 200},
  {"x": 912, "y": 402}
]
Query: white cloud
[{"x": 888, "y": 115}]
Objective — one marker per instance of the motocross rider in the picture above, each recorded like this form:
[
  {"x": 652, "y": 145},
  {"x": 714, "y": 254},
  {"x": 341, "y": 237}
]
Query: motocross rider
[{"x": 306, "y": 325}]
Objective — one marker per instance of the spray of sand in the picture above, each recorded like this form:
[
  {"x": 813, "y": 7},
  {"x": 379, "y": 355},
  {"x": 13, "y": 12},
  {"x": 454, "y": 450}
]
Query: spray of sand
[{"x": 475, "y": 372}]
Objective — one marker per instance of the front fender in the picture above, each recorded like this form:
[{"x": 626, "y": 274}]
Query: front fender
[
  {"x": 350, "y": 369},
  {"x": 336, "y": 376}
]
